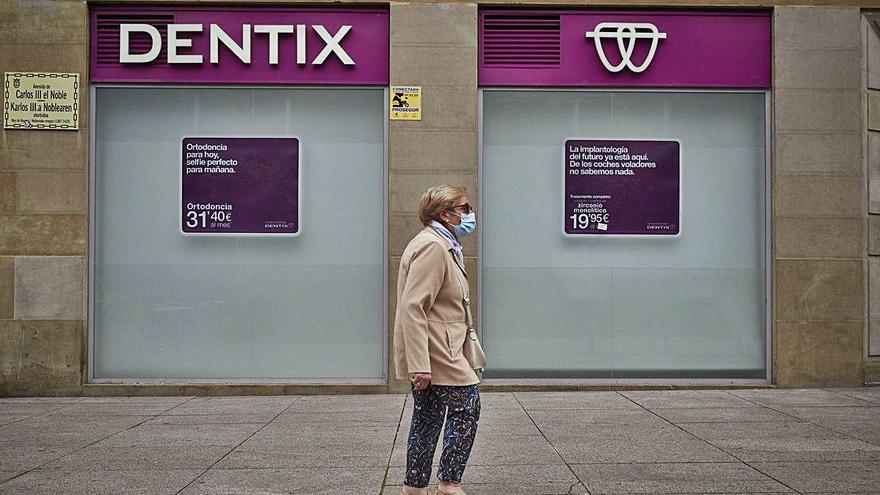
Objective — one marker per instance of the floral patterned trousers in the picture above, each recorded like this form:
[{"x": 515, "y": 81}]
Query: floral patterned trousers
[{"x": 461, "y": 407}]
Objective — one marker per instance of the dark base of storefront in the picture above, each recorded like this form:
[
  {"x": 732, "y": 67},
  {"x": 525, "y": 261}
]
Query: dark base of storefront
[
  {"x": 629, "y": 374},
  {"x": 270, "y": 390}
]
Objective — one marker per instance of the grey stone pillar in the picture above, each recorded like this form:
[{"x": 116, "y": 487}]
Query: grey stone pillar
[
  {"x": 433, "y": 45},
  {"x": 818, "y": 205}
]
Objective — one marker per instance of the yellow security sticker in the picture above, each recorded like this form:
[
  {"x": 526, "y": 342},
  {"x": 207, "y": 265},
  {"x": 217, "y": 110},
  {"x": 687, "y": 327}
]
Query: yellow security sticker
[{"x": 406, "y": 103}]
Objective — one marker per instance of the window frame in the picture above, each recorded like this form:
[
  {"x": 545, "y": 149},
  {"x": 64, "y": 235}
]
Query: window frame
[
  {"x": 92, "y": 233},
  {"x": 767, "y": 246}
]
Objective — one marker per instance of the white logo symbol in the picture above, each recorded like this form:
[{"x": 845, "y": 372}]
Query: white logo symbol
[{"x": 626, "y": 34}]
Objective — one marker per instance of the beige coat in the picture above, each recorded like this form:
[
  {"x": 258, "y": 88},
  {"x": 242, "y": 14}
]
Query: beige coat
[{"x": 429, "y": 326}]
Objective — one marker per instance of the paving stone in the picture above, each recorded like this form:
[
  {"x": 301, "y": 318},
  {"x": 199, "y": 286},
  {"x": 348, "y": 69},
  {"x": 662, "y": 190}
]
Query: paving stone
[
  {"x": 798, "y": 397},
  {"x": 675, "y": 478},
  {"x": 722, "y": 415},
  {"x": 311, "y": 436},
  {"x": 210, "y": 419},
  {"x": 515, "y": 415},
  {"x": 573, "y": 400},
  {"x": 347, "y": 403},
  {"x": 586, "y": 417},
  {"x": 73, "y": 430},
  {"x": 686, "y": 398},
  {"x": 23, "y": 456},
  {"x": 40, "y": 431},
  {"x": 871, "y": 394},
  {"x": 500, "y": 421},
  {"x": 312, "y": 481},
  {"x": 633, "y": 443},
  {"x": 96, "y": 457},
  {"x": 821, "y": 414},
  {"x": 510, "y": 450},
  {"x": 866, "y": 431},
  {"x": 6, "y": 419},
  {"x": 31, "y": 436},
  {"x": 112, "y": 409},
  {"x": 825, "y": 477},
  {"x": 73, "y": 482},
  {"x": 782, "y": 441},
  {"x": 197, "y": 435},
  {"x": 491, "y": 400},
  {"x": 286, "y": 457},
  {"x": 161, "y": 399},
  {"x": 233, "y": 405},
  {"x": 29, "y": 408},
  {"x": 384, "y": 415},
  {"x": 8, "y": 475},
  {"x": 38, "y": 400},
  {"x": 83, "y": 424},
  {"x": 623, "y": 446}
]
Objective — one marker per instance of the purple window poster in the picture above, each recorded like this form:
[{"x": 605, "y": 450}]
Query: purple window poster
[
  {"x": 622, "y": 187},
  {"x": 240, "y": 186}
]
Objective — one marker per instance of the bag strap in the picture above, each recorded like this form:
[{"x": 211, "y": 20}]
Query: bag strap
[{"x": 465, "y": 299}]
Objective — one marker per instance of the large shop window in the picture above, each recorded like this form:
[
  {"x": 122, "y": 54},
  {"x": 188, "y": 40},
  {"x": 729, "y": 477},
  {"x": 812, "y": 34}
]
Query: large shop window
[
  {"x": 175, "y": 306},
  {"x": 686, "y": 306}
]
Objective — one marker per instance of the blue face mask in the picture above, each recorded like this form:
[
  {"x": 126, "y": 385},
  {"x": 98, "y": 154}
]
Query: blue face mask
[{"x": 467, "y": 226}]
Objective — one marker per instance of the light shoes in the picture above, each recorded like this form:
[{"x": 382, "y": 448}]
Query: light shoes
[{"x": 434, "y": 491}]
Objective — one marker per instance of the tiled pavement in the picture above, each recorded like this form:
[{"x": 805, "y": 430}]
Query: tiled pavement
[{"x": 706, "y": 441}]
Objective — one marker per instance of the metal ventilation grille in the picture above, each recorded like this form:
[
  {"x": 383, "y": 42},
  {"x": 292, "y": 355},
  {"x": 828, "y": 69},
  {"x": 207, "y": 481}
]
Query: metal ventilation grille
[
  {"x": 107, "y": 35},
  {"x": 520, "y": 41}
]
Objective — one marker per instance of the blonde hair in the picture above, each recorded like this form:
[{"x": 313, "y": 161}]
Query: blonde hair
[{"x": 437, "y": 199}]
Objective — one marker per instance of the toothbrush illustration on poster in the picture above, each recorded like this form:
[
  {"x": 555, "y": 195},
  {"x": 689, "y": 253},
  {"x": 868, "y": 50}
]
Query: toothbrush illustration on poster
[
  {"x": 622, "y": 187},
  {"x": 240, "y": 186}
]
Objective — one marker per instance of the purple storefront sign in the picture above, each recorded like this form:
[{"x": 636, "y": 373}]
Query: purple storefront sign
[
  {"x": 266, "y": 45},
  {"x": 625, "y": 49},
  {"x": 622, "y": 187},
  {"x": 239, "y": 185}
]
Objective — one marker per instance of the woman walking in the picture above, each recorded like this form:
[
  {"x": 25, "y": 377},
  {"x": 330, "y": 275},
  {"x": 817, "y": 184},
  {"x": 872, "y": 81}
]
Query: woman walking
[{"x": 429, "y": 333}]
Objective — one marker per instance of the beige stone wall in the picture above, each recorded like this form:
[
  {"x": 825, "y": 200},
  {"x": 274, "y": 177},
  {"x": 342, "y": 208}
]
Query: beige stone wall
[
  {"x": 871, "y": 44},
  {"x": 819, "y": 203},
  {"x": 43, "y": 232},
  {"x": 433, "y": 45},
  {"x": 818, "y": 179}
]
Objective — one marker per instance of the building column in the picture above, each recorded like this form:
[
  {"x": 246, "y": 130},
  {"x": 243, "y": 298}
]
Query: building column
[
  {"x": 43, "y": 229},
  {"x": 433, "y": 45},
  {"x": 817, "y": 211}
]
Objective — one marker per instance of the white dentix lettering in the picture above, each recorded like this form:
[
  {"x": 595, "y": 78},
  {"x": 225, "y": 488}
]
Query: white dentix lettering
[
  {"x": 174, "y": 43},
  {"x": 332, "y": 45},
  {"x": 273, "y": 30},
  {"x": 180, "y": 45},
  {"x": 243, "y": 51},
  {"x": 125, "y": 55},
  {"x": 301, "y": 44}
]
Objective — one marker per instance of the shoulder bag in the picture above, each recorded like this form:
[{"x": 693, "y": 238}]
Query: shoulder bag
[{"x": 472, "y": 349}]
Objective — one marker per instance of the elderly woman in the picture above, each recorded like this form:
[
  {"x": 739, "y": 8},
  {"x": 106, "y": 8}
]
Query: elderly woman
[{"x": 429, "y": 333}]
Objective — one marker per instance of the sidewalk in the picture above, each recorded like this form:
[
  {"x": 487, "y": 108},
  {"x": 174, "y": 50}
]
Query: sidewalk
[{"x": 530, "y": 443}]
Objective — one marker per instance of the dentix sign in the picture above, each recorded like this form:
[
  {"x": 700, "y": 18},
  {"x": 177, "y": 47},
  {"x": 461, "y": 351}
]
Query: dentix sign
[
  {"x": 264, "y": 45},
  {"x": 177, "y": 41}
]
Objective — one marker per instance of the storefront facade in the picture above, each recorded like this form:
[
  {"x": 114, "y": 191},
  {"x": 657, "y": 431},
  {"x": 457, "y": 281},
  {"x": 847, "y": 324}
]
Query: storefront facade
[{"x": 675, "y": 197}]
